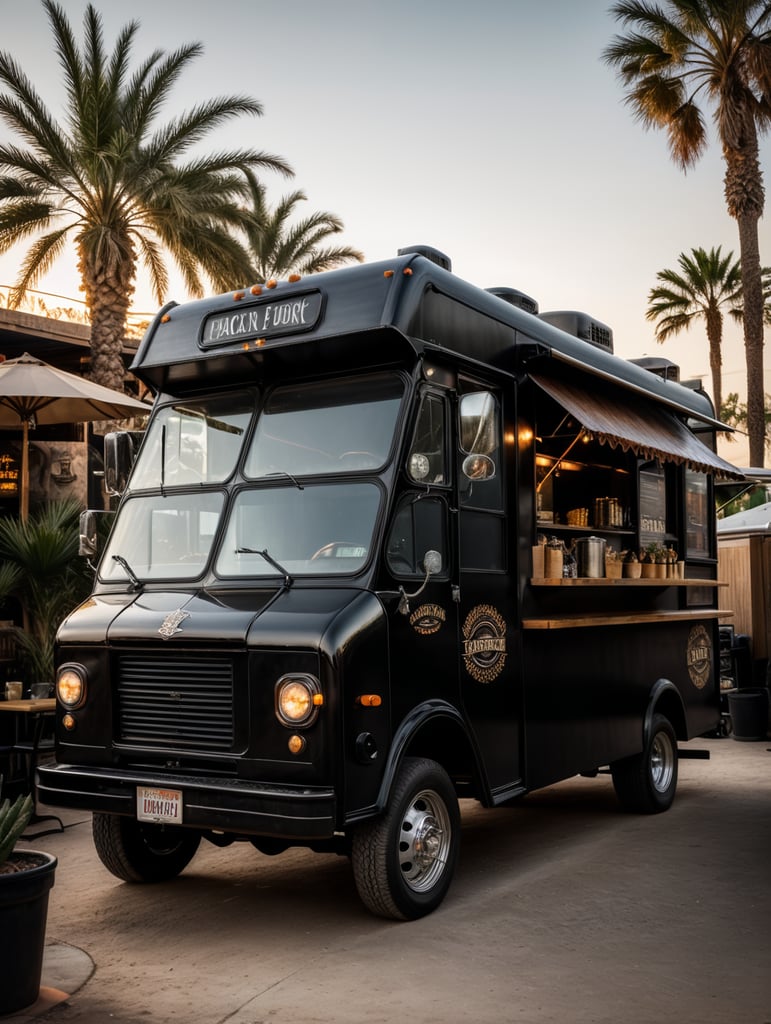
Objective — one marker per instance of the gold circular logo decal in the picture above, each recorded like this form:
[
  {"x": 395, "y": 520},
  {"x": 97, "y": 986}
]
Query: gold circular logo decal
[
  {"x": 699, "y": 656},
  {"x": 484, "y": 643},
  {"x": 427, "y": 619}
]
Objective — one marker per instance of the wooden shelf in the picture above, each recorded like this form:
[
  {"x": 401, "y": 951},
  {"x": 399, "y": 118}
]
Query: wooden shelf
[
  {"x": 544, "y": 527},
  {"x": 603, "y": 581},
  {"x": 623, "y": 619}
]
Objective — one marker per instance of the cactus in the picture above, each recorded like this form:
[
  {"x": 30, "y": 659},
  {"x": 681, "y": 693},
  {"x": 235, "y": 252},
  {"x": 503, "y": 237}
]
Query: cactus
[{"x": 14, "y": 818}]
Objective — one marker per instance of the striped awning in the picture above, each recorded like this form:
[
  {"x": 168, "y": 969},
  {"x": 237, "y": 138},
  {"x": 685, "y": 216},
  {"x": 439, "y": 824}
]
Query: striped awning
[{"x": 634, "y": 424}]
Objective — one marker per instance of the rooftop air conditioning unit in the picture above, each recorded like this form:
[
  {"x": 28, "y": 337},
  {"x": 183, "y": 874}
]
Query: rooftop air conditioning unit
[
  {"x": 515, "y": 298},
  {"x": 582, "y": 326},
  {"x": 429, "y": 252},
  {"x": 661, "y": 367}
]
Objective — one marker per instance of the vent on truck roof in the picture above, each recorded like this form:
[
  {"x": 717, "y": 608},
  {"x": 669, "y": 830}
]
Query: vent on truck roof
[
  {"x": 582, "y": 326},
  {"x": 515, "y": 298},
  {"x": 661, "y": 367},
  {"x": 429, "y": 252}
]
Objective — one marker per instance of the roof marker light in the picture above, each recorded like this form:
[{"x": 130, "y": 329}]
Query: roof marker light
[
  {"x": 256, "y": 289},
  {"x": 272, "y": 283},
  {"x": 294, "y": 278},
  {"x": 237, "y": 296}
]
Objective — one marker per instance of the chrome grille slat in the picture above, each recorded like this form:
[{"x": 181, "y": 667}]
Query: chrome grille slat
[{"x": 185, "y": 702}]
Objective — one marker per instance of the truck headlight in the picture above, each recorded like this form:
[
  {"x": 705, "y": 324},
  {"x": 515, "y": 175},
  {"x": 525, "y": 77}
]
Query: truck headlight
[
  {"x": 71, "y": 685},
  {"x": 298, "y": 699}
]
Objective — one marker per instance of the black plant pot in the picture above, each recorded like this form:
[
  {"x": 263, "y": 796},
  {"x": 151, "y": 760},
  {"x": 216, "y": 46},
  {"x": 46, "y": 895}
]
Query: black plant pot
[{"x": 23, "y": 913}]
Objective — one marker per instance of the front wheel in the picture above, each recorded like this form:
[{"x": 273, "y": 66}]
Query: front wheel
[
  {"x": 403, "y": 862},
  {"x": 646, "y": 782},
  {"x": 136, "y": 851}
]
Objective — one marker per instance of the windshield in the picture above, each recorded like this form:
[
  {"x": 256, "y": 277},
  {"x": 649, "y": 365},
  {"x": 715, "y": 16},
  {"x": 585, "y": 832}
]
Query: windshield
[
  {"x": 314, "y": 530},
  {"x": 162, "y": 537},
  {"x": 334, "y": 427},
  {"x": 193, "y": 443}
]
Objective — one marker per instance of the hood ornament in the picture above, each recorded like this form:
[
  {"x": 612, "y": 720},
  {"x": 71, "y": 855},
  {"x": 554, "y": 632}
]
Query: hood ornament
[{"x": 170, "y": 625}]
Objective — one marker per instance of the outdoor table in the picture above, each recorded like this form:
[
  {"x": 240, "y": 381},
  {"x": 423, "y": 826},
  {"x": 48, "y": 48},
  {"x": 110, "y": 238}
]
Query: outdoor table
[{"x": 29, "y": 720}]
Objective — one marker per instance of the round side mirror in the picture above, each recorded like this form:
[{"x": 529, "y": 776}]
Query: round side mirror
[{"x": 478, "y": 467}]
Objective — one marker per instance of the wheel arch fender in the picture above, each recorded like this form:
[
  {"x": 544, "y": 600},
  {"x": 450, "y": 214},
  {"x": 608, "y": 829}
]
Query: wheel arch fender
[
  {"x": 434, "y": 729},
  {"x": 665, "y": 699}
]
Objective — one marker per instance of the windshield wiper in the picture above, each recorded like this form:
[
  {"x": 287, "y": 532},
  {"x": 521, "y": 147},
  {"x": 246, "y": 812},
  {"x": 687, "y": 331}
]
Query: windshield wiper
[
  {"x": 270, "y": 560},
  {"x": 136, "y": 583}
]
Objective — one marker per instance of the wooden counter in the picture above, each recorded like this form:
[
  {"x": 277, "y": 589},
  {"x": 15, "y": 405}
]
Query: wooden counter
[
  {"x": 565, "y": 621},
  {"x": 604, "y": 581}
]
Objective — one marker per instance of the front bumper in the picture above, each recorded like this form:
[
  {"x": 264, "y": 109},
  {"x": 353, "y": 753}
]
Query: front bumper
[{"x": 239, "y": 806}]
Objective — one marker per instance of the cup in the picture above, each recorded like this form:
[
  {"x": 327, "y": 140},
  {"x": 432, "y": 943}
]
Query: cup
[{"x": 13, "y": 691}]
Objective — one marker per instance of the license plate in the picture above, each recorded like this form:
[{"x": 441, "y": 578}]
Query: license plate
[{"x": 159, "y": 805}]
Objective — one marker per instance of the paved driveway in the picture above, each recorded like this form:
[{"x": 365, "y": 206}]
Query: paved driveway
[{"x": 564, "y": 909}]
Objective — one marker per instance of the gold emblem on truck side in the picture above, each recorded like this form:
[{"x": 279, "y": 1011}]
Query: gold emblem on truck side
[
  {"x": 484, "y": 643},
  {"x": 427, "y": 619},
  {"x": 699, "y": 656}
]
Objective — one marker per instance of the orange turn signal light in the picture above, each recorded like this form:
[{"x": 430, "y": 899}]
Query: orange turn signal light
[
  {"x": 369, "y": 700},
  {"x": 296, "y": 744}
]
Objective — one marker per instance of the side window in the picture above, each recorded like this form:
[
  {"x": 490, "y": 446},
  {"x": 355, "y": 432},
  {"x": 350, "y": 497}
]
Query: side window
[
  {"x": 427, "y": 461},
  {"x": 697, "y": 515},
  {"x": 480, "y": 468},
  {"x": 420, "y": 525}
]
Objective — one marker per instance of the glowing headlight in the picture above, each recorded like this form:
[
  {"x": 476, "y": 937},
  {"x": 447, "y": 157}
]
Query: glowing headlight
[
  {"x": 298, "y": 699},
  {"x": 71, "y": 685}
]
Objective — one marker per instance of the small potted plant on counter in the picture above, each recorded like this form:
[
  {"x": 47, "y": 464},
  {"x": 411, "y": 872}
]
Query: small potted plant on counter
[
  {"x": 614, "y": 563},
  {"x": 26, "y": 878},
  {"x": 632, "y": 566}
]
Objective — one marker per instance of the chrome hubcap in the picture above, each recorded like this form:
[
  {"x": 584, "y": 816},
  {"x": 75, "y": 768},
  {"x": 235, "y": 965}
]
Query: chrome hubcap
[
  {"x": 424, "y": 841},
  {"x": 662, "y": 762}
]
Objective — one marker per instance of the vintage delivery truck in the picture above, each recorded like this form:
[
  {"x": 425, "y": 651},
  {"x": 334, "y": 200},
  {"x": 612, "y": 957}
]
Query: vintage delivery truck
[{"x": 325, "y": 611}]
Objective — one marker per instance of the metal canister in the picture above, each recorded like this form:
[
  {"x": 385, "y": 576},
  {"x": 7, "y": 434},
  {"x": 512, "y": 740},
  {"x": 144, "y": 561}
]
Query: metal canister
[{"x": 590, "y": 555}]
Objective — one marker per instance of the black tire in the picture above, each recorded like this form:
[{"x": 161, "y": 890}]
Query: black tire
[
  {"x": 403, "y": 861},
  {"x": 135, "y": 851},
  {"x": 646, "y": 783}
]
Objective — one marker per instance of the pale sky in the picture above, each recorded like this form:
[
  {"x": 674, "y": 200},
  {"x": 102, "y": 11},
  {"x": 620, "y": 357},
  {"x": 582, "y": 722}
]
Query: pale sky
[{"x": 491, "y": 130}]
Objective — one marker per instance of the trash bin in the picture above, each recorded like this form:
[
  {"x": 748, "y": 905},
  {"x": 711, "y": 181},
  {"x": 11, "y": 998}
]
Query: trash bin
[{"x": 749, "y": 713}]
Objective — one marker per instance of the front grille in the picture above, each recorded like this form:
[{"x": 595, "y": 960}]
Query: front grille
[{"x": 182, "y": 702}]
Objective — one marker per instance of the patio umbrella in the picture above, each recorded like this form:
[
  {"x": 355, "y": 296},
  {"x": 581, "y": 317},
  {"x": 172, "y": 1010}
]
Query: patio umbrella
[{"x": 33, "y": 392}]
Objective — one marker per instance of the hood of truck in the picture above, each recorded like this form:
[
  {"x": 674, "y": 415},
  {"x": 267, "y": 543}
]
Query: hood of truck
[{"x": 289, "y": 618}]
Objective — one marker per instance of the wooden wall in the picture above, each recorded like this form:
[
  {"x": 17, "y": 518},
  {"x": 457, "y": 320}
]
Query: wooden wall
[{"x": 744, "y": 563}]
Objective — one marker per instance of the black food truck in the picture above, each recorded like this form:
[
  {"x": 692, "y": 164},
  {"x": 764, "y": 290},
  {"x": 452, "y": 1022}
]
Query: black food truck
[{"x": 382, "y": 548}]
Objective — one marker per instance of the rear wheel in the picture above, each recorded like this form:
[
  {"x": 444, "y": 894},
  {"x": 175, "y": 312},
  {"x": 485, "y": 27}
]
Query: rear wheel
[
  {"x": 136, "y": 851},
  {"x": 403, "y": 862},
  {"x": 646, "y": 783}
]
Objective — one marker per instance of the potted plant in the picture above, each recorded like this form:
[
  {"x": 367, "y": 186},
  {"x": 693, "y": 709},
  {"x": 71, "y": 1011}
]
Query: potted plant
[
  {"x": 26, "y": 879},
  {"x": 614, "y": 563},
  {"x": 632, "y": 566}
]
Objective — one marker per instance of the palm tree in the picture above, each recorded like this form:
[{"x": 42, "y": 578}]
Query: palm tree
[
  {"x": 706, "y": 284},
  {"x": 278, "y": 248},
  {"x": 115, "y": 184},
  {"x": 676, "y": 55}
]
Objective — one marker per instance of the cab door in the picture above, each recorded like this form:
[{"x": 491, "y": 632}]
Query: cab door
[
  {"x": 489, "y": 660},
  {"x": 424, "y": 621}
]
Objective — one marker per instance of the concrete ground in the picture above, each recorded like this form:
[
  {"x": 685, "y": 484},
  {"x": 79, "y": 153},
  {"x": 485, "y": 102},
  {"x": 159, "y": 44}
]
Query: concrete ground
[{"x": 564, "y": 909}]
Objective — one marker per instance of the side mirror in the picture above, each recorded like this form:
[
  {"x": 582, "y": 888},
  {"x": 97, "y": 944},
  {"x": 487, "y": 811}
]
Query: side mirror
[
  {"x": 478, "y": 467},
  {"x": 88, "y": 545},
  {"x": 432, "y": 563},
  {"x": 119, "y": 454}
]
